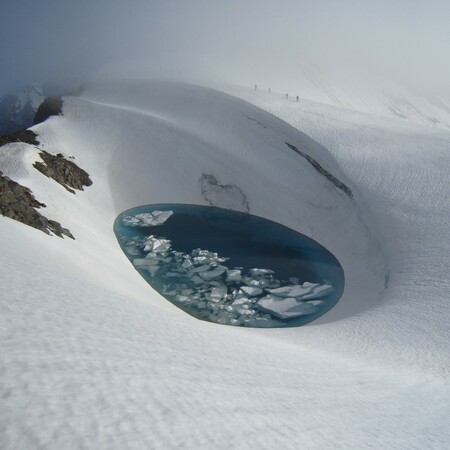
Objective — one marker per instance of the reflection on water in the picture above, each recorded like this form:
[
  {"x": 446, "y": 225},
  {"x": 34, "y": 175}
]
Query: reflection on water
[{"x": 229, "y": 267}]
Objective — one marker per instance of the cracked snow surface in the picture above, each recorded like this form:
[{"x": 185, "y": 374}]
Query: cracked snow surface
[{"x": 227, "y": 196}]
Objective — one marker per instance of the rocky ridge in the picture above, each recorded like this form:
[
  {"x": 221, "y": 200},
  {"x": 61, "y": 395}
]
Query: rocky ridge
[
  {"x": 18, "y": 202},
  {"x": 26, "y": 136},
  {"x": 63, "y": 171},
  {"x": 51, "y": 106}
]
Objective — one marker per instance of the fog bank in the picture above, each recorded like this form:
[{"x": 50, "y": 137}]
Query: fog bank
[{"x": 244, "y": 41}]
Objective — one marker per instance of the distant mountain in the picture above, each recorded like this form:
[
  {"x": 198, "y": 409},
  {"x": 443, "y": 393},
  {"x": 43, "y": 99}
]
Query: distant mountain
[{"x": 18, "y": 107}]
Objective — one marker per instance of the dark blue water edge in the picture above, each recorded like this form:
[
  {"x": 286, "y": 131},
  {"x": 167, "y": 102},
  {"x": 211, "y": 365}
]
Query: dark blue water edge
[{"x": 230, "y": 267}]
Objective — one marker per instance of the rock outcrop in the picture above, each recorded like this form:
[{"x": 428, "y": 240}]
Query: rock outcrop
[
  {"x": 26, "y": 136},
  {"x": 17, "y": 202},
  {"x": 339, "y": 184},
  {"x": 51, "y": 106},
  {"x": 63, "y": 171}
]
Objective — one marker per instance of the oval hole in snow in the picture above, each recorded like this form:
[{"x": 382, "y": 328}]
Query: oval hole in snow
[{"x": 229, "y": 267}]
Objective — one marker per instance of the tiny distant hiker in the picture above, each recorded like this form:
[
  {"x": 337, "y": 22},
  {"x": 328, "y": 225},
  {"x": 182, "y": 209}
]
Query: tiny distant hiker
[
  {"x": 286, "y": 96},
  {"x": 297, "y": 98},
  {"x": 256, "y": 87}
]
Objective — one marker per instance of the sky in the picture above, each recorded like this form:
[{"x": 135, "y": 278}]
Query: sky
[{"x": 234, "y": 41}]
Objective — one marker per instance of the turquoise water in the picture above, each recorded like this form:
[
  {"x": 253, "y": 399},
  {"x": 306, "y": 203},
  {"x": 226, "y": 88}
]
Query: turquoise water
[{"x": 229, "y": 267}]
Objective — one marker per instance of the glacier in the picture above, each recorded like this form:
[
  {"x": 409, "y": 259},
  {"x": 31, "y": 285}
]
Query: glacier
[{"x": 93, "y": 357}]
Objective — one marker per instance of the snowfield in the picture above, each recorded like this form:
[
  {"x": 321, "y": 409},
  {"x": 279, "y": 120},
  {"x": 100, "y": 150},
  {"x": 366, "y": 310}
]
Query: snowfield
[{"x": 92, "y": 357}]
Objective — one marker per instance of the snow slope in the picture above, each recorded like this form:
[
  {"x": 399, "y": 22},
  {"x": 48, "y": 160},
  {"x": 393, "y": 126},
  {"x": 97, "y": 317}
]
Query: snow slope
[
  {"x": 94, "y": 358},
  {"x": 365, "y": 92}
]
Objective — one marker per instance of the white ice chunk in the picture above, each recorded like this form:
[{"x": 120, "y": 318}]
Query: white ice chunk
[
  {"x": 241, "y": 301},
  {"x": 252, "y": 291},
  {"x": 187, "y": 291},
  {"x": 296, "y": 290},
  {"x": 246, "y": 312},
  {"x": 147, "y": 219},
  {"x": 256, "y": 271},
  {"x": 319, "y": 292},
  {"x": 153, "y": 270},
  {"x": 286, "y": 308},
  {"x": 197, "y": 280},
  {"x": 316, "y": 302},
  {"x": 139, "y": 262},
  {"x": 187, "y": 264},
  {"x": 234, "y": 275},
  {"x": 212, "y": 274},
  {"x": 199, "y": 269},
  {"x": 202, "y": 260},
  {"x": 156, "y": 245},
  {"x": 261, "y": 282},
  {"x": 219, "y": 292},
  {"x": 144, "y": 262},
  {"x": 172, "y": 274},
  {"x": 263, "y": 323}
]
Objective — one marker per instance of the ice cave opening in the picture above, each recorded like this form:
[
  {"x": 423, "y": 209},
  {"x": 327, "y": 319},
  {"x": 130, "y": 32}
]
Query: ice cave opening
[{"x": 230, "y": 267}]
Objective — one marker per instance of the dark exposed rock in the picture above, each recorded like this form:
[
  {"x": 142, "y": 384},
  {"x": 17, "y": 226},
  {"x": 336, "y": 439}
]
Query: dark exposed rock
[
  {"x": 51, "y": 106},
  {"x": 339, "y": 184},
  {"x": 255, "y": 120},
  {"x": 17, "y": 202},
  {"x": 63, "y": 171},
  {"x": 27, "y": 136}
]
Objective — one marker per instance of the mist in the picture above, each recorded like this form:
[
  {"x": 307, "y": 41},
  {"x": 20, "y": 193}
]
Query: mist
[{"x": 242, "y": 42}]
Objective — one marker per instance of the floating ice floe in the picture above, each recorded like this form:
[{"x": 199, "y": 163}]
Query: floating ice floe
[
  {"x": 252, "y": 291},
  {"x": 319, "y": 291},
  {"x": 213, "y": 274},
  {"x": 200, "y": 284},
  {"x": 219, "y": 292},
  {"x": 304, "y": 291},
  {"x": 286, "y": 307},
  {"x": 234, "y": 275},
  {"x": 150, "y": 219},
  {"x": 156, "y": 245}
]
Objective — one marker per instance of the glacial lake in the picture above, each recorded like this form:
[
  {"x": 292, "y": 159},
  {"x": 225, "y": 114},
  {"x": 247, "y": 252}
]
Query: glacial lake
[{"x": 229, "y": 267}]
